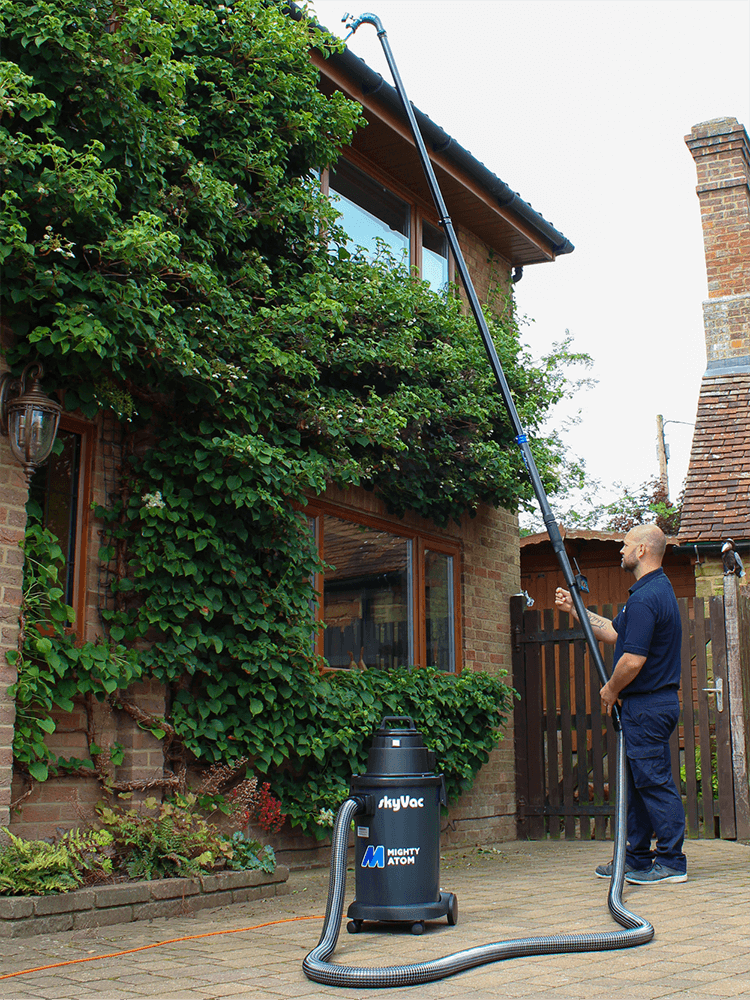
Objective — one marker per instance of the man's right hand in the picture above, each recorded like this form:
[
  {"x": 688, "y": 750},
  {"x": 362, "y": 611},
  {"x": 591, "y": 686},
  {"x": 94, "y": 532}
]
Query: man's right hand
[{"x": 563, "y": 600}]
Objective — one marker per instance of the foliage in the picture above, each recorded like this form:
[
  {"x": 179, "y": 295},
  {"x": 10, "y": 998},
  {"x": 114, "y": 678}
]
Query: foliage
[
  {"x": 699, "y": 773},
  {"x": 249, "y": 855},
  {"x": 460, "y": 718},
  {"x": 53, "y": 667},
  {"x": 167, "y": 253},
  {"x": 266, "y": 810},
  {"x": 37, "y": 868},
  {"x": 648, "y": 503},
  {"x": 163, "y": 839}
]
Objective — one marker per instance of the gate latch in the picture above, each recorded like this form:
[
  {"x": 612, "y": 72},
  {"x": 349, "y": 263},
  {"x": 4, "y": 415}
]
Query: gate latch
[{"x": 719, "y": 692}]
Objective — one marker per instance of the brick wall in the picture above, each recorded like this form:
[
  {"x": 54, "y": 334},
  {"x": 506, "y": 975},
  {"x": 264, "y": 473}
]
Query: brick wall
[
  {"x": 62, "y": 803},
  {"x": 13, "y": 493},
  {"x": 491, "y": 575},
  {"x": 489, "y": 272}
]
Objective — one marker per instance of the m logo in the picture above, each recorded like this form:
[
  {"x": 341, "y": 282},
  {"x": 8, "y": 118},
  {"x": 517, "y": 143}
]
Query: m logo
[{"x": 374, "y": 857}]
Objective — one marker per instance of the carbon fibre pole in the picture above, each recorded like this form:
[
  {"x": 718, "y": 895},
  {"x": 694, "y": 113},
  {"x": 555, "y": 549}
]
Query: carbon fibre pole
[{"x": 522, "y": 439}]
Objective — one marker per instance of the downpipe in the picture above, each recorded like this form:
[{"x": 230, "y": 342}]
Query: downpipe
[{"x": 317, "y": 967}]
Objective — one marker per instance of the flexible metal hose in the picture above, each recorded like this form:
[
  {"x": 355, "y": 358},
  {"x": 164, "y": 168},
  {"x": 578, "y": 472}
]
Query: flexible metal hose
[{"x": 317, "y": 967}]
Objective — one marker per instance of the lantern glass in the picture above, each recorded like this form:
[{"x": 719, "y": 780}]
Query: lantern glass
[{"x": 31, "y": 429}]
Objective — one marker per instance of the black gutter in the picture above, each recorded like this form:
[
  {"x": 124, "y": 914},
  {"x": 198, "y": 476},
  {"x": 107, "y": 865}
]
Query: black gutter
[
  {"x": 709, "y": 547},
  {"x": 371, "y": 83}
]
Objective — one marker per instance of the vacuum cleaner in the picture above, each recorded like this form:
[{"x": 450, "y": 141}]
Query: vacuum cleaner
[
  {"x": 397, "y": 839},
  {"x": 396, "y": 804}
]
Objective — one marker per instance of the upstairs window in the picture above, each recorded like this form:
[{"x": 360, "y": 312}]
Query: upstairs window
[
  {"x": 370, "y": 212},
  {"x": 388, "y": 598},
  {"x": 434, "y": 257}
]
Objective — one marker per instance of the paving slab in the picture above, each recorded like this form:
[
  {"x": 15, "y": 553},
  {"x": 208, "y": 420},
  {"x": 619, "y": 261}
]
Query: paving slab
[{"x": 701, "y": 947}]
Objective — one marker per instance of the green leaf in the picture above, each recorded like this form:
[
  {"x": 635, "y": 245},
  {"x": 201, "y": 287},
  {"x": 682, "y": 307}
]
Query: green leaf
[{"x": 38, "y": 770}]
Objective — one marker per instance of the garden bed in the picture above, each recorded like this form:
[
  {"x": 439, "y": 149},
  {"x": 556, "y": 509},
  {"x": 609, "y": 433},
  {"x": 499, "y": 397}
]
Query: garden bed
[{"x": 103, "y": 905}]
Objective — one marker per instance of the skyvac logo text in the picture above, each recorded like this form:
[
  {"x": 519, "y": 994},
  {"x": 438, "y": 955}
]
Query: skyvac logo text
[
  {"x": 375, "y": 857},
  {"x": 402, "y": 802}
]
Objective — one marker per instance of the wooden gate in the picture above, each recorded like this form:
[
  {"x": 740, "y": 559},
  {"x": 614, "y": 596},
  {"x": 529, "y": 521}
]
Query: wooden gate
[{"x": 564, "y": 743}]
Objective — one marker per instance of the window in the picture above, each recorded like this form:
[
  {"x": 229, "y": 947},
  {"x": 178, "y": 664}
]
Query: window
[
  {"x": 434, "y": 257},
  {"x": 389, "y": 596},
  {"x": 439, "y": 610},
  {"x": 371, "y": 212},
  {"x": 59, "y": 489}
]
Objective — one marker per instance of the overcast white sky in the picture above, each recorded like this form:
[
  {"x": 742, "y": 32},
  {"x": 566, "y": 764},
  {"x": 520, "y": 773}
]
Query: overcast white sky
[{"x": 582, "y": 107}]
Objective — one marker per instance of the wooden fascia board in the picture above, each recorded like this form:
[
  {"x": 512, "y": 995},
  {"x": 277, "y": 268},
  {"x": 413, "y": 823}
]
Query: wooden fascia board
[{"x": 345, "y": 84}]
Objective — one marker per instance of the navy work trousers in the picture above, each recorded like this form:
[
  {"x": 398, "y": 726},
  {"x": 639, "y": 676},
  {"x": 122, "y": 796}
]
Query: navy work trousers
[{"x": 654, "y": 804}]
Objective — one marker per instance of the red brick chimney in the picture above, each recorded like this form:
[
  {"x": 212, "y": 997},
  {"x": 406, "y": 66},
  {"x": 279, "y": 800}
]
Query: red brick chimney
[
  {"x": 717, "y": 489},
  {"x": 721, "y": 151}
]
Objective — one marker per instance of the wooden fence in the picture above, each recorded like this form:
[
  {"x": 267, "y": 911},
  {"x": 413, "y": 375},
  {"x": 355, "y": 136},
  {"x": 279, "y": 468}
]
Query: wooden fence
[{"x": 564, "y": 742}]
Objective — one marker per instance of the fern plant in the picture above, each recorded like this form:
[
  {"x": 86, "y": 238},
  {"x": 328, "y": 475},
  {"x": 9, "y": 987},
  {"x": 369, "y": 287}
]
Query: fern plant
[
  {"x": 36, "y": 868},
  {"x": 163, "y": 839}
]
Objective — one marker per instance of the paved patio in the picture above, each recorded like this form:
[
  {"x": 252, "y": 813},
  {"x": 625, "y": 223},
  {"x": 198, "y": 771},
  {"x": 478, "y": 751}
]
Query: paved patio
[{"x": 701, "y": 947}]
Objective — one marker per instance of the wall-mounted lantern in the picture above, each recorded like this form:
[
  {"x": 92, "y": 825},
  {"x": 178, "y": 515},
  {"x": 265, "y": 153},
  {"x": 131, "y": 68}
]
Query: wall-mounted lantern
[{"x": 28, "y": 417}]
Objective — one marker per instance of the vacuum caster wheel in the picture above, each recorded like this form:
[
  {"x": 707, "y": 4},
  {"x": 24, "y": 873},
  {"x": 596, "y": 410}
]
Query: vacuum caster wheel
[
  {"x": 453, "y": 910},
  {"x": 354, "y": 926},
  {"x": 418, "y": 927}
]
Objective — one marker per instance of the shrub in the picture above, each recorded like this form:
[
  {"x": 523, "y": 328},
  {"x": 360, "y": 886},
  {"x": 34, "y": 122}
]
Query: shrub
[
  {"x": 163, "y": 839},
  {"x": 460, "y": 718},
  {"x": 37, "y": 868},
  {"x": 249, "y": 855}
]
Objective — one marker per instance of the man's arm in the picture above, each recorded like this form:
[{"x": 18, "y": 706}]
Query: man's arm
[
  {"x": 626, "y": 669},
  {"x": 602, "y": 627}
]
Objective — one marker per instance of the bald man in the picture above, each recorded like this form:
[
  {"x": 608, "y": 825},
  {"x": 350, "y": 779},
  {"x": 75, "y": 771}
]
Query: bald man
[{"x": 647, "y": 636}]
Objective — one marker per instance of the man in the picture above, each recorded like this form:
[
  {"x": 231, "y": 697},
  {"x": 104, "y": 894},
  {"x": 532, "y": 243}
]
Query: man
[{"x": 647, "y": 636}]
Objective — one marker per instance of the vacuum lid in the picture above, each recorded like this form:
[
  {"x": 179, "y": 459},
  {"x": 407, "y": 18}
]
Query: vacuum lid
[{"x": 399, "y": 749}]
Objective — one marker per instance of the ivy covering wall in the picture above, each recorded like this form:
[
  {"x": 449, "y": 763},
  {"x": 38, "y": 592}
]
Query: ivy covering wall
[{"x": 167, "y": 255}]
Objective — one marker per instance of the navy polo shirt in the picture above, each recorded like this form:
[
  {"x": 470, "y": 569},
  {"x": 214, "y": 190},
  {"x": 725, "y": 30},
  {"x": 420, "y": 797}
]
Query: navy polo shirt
[{"x": 649, "y": 625}]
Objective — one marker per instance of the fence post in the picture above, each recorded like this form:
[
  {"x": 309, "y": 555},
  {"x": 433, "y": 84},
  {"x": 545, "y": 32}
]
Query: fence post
[{"x": 736, "y": 706}]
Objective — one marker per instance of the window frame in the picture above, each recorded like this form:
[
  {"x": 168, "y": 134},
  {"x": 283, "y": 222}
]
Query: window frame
[
  {"x": 419, "y": 211},
  {"x": 421, "y": 540},
  {"x": 85, "y": 430}
]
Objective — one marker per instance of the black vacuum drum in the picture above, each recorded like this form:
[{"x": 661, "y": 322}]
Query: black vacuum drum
[{"x": 397, "y": 840}]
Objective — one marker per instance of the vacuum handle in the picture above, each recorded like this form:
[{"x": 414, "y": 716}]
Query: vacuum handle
[{"x": 394, "y": 718}]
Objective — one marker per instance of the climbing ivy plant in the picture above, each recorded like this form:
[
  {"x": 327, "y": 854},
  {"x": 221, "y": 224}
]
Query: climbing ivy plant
[{"x": 168, "y": 255}]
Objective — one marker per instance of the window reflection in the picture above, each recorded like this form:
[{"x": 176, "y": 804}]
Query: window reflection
[
  {"x": 369, "y": 211},
  {"x": 367, "y": 605},
  {"x": 439, "y": 610},
  {"x": 434, "y": 257},
  {"x": 54, "y": 488}
]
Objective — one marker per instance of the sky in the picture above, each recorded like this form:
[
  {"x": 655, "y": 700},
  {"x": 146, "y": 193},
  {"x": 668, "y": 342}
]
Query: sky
[{"x": 582, "y": 106}]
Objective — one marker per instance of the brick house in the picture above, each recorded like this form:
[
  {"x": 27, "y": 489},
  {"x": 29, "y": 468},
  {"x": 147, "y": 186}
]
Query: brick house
[
  {"x": 456, "y": 597},
  {"x": 717, "y": 489}
]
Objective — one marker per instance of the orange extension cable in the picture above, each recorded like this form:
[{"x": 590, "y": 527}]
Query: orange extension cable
[{"x": 156, "y": 944}]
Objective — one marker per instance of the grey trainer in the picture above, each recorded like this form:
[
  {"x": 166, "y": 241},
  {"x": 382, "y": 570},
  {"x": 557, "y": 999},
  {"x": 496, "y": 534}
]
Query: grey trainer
[
  {"x": 657, "y": 873},
  {"x": 605, "y": 871}
]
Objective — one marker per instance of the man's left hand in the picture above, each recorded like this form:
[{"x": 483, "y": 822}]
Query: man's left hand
[{"x": 609, "y": 698}]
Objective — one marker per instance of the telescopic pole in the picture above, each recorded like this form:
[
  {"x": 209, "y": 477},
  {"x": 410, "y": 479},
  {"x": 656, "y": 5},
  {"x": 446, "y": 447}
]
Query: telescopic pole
[{"x": 522, "y": 440}]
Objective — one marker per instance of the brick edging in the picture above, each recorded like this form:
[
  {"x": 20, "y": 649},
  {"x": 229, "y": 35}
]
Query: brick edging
[{"x": 103, "y": 905}]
